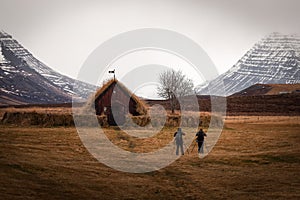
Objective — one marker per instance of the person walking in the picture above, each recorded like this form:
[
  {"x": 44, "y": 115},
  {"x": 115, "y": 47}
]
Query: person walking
[
  {"x": 200, "y": 140},
  {"x": 179, "y": 141}
]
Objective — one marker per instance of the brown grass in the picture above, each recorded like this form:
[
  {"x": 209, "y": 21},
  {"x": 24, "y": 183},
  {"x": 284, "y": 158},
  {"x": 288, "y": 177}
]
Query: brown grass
[
  {"x": 277, "y": 88},
  {"x": 34, "y": 118},
  {"x": 250, "y": 161},
  {"x": 48, "y": 117},
  {"x": 263, "y": 119}
]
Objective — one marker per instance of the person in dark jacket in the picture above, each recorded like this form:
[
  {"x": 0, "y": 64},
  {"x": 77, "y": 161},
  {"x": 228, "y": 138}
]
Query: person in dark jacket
[
  {"x": 200, "y": 140},
  {"x": 179, "y": 141}
]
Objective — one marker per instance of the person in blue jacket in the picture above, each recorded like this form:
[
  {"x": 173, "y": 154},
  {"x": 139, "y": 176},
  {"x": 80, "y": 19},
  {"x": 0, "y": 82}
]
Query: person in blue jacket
[{"x": 179, "y": 141}]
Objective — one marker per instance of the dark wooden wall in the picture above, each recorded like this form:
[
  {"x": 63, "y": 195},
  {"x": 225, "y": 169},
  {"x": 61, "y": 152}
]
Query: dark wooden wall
[{"x": 121, "y": 101}]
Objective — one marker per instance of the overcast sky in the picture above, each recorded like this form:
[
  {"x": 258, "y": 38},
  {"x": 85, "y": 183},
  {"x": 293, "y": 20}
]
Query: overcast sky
[{"x": 63, "y": 33}]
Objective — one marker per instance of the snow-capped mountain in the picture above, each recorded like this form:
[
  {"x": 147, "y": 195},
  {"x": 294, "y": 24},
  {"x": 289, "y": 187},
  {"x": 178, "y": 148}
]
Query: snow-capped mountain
[
  {"x": 275, "y": 60},
  {"x": 24, "y": 79}
]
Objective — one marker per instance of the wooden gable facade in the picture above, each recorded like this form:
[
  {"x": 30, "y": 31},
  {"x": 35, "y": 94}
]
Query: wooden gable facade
[{"x": 115, "y": 101}]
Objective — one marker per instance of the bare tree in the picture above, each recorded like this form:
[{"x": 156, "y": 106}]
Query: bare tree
[{"x": 174, "y": 84}]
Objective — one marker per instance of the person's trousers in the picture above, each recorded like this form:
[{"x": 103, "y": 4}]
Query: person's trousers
[
  {"x": 200, "y": 147},
  {"x": 181, "y": 148}
]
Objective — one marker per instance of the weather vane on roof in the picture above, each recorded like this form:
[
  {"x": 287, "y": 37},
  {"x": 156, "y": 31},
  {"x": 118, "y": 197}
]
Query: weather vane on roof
[{"x": 112, "y": 72}]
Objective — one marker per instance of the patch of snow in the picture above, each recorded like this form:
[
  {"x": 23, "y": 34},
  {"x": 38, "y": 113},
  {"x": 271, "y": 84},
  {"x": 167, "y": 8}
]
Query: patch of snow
[{"x": 8, "y": 92}]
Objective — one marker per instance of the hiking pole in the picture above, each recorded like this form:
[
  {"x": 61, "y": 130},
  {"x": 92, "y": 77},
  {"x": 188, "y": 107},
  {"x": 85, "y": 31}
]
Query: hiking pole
[
  {"x": 187, "y": 149},
  {"x": 194, "y": 146}
]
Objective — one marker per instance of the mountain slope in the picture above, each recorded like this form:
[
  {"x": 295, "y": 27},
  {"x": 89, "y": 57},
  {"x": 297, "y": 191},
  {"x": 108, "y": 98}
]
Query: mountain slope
[
  {"x": 275, "y": 59},
  {"x": 21, "y": 85},
  {"x": 24, "y": 79},
  {"x": 269, "y": 89}
]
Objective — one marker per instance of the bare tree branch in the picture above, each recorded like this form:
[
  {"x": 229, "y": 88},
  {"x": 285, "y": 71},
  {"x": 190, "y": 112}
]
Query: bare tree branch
[{"x": 173, "y": 85}]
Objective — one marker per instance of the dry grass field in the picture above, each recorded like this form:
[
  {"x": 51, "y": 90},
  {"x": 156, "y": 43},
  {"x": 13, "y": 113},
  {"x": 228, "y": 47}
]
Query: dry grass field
[{"x": 253, "y": 159}]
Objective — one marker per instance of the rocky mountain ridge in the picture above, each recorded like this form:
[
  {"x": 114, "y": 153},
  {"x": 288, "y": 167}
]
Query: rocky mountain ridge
[
  {"x": 24, "y": 79},
  {"x": 275, "y": 59}
]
